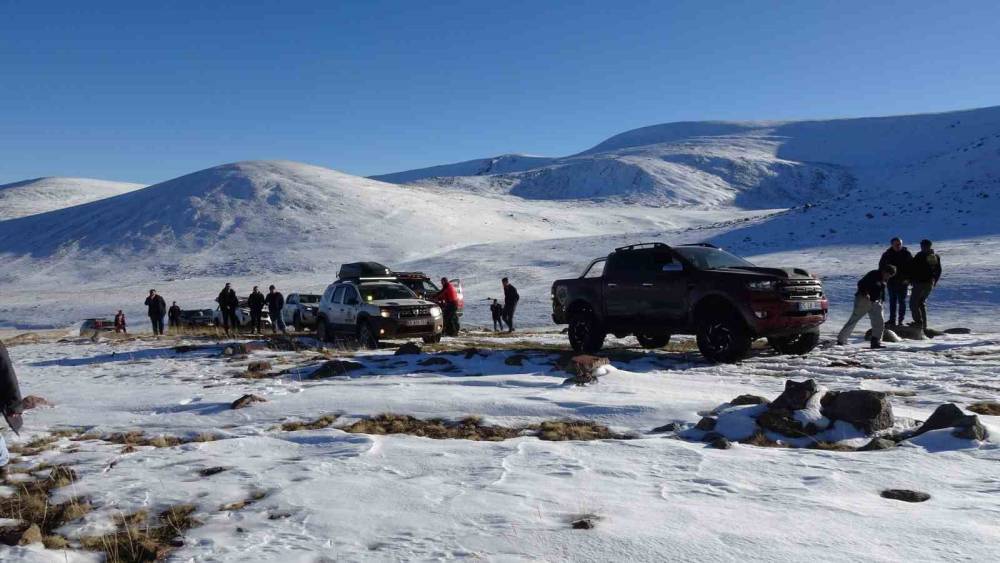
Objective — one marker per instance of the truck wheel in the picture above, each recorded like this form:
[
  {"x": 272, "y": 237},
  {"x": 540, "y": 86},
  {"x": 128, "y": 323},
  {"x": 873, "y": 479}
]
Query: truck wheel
[
  {"x": 297, "y": 322},
  {"x": 796, "y": 345},
  {"x": 652, "y": 341},
  {"x": 585, "y": 332},
  {"x": 323, "y": 333},
  {"x": 723, "y": 339},
  {"x": 367, "y": 338},
  {"x": 432, "y": 339}
]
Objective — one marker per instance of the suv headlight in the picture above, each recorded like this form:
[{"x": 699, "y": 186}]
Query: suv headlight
[
  {"x": 435, "y": 311},
  {"x": 386, "y": 313},
  {"x": 761, "y": 286}
]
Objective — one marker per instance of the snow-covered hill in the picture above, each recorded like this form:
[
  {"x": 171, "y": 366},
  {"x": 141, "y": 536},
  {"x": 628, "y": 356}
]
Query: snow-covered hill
[{"x": 31, "y": 197}]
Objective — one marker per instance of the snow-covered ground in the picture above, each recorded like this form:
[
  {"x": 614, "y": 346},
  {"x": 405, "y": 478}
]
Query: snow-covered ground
[
  {"x": 399, "y": 497},
  {"x": 40, "y": 195}
]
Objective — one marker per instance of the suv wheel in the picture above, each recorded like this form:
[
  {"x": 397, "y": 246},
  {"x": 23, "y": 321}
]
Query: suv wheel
[
  {"x": 367, "y": 338},
  {"x": 585, "y": 332},
  {"x": 723, "y": 338},
  {"x": 652, "y": 340},
  {"x": 797, "y": 344},
  {"x": 297, "y": 322},
  {"x": 323, "y": 333}
]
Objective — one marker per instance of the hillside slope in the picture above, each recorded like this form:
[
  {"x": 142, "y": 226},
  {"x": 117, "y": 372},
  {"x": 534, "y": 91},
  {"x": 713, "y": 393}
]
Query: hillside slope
[{"x": 40, "y": 195}]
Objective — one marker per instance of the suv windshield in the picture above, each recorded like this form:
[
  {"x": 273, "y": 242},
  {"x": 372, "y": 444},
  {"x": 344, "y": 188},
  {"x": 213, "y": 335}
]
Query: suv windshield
[
  {"x": 707, "y": 258},
  {"x": 308, "y": 298},
  {"x": 378, "y": 292}
]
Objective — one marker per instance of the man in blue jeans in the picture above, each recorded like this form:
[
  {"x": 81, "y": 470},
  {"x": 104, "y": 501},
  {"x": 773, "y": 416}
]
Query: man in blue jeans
[{"x": 899, "y": 256}]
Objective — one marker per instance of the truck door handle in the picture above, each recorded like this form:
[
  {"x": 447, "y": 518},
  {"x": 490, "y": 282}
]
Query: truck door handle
[
  {"x": 647, "y": 284},
  {"x": 612, "y": 285}
]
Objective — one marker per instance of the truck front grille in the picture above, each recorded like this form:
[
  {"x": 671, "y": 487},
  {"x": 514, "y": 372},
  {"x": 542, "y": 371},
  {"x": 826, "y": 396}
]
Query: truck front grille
[{"x": 801, "y": 289}]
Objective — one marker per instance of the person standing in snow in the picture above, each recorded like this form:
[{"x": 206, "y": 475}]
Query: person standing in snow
[
  {"x": 510, "y": 299},
  {"x": 174, "y": 316},
  {"x": 10, "y": 403},
  {"x": 868, "y": 301},
  {"x": 156, "y": 307},
  {"x": 497, "y": 311},
  {"x": 256, "y": 304},
  {"x": 228, "y": 302},
  {"x": 899, "y": 256},
  {"x": 275, "y": 303},
  {"x": 448, "y": 298},
  {"x": 120, "y": 324},
  {"x": 924, "y": 272}
]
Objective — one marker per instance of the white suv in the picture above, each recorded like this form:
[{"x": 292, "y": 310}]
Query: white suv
[
  {"x": 371, "y": 309},
  {"x": 300, "y": 310}
]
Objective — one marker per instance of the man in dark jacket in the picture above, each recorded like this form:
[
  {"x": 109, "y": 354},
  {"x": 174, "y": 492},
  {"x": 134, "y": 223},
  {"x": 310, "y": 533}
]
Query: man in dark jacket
[
  {"x": 156, "y": 307},
  {"x": 174, "y": 316},
  {"x": 868, "y": 301},
  {"x": 497, "y": 311},
  {"x": 256, "y": 304},
  {"x": 275, "y": 303},
  {"x": 228, "y": 302},
  {"x": 10, "y": 401},
  {"x": 925, "y": 271},
  {"x": 899, "y": 256},
  {"x": 510, "y": 299}
]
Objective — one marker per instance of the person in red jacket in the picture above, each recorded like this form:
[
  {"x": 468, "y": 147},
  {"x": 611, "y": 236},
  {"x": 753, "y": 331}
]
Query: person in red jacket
[{"x": 448, "y": 298}]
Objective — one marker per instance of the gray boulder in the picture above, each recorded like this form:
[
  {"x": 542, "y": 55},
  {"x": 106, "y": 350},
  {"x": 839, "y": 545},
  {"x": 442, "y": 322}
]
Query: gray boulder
[
  {"x": 869, "y": 411},
  {"x": 877, "y": 444},
  {"x": 966, "y": 426},
  {"x": 905, "y": 495},
  {"x": 795, "y": 396}
]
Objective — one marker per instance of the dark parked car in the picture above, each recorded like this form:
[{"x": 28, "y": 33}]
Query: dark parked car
[
  {"x": 92, "y": 327},
  {"x": 197, "y": 317},
  {"x": 654, "y": 290}
]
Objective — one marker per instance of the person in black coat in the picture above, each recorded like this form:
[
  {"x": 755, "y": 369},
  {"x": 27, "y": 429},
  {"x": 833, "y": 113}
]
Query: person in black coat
[
  {"x": 228, "y": 303},
  {"x": 10, "y": 401},
  {"x": 899, "y": 256},
  {"x": 256, "y": 304},
  {"x": 510, "y": 299},
  {"x": 925, "y": 271},
  {"x": 497, "y": 311},
  {"x": 174, "y": 316},
  {"x": 156, "y": 307},
  {"x": 868, "y": 301},
  {"x": 275, "y": 303}
]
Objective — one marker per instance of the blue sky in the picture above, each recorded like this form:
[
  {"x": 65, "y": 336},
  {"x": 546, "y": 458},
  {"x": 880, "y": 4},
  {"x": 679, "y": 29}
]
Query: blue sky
[{"x": 142, "y": 91}]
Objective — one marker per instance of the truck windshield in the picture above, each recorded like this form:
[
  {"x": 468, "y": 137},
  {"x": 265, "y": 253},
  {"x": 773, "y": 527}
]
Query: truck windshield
[
  {"x": 707, "y": 258},
  {"x": 385, "y": 291},
  {"x": 595, "y": 270}
]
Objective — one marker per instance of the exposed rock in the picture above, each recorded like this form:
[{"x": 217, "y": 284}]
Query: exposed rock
[
  {"x": 721, "y": 443},
  {"x": 966, "y": 426},
  {"x": 710, "y": 437},
  {"x": 33, "y": 534},
  {"x": 749, "y": 400},
  {"x": 334, "y": 368},
  {"x": 991, "y": 408},
  {"x": 583, "y": 368},
  {"x": 435, "y": 361},
  {"x": 259, "y": 366},
  {"x": 877, "y": 444},
  {"x": 869, "y": 411},
  {"x": 237, "y": 349},
  {"x": 795, "y": 396},
  {"x": 472, "y": 353},
  {"x": 669, "y": 427},
  {"x": 20, "y": 533},
  {"x": 34, "y": 401},
  {"x": 957, "y": 331},
  {"x": 905, "y": 495},
  {"x": 784, "y": 423},
  {"x": 409, "y": 349},
  {"x": 247, "y": 400},
  {"x": 706, "y": 424},
  {"x": 974, "y": 431},
  {"x": 515, "y": 360},
  {"x": 583, "y": 524}
]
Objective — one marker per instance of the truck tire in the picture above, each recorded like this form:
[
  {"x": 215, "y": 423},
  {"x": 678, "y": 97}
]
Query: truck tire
[
  {"x": 432, "y": 339},
  {"x": 585, "y": 332},
  {"x": 297, "y": 322},
  {"x": 652, "y": 340},
  {"x": 723, "y": 338},
  {"x": 323, "y": 332},
  {"x": 367, "y": 337},
  {"x": 797, "y": 344}
]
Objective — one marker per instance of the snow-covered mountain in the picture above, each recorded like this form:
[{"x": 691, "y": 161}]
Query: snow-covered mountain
[
  {"x": 757, "y": 164},
  {"x": 30, "y": 197}
]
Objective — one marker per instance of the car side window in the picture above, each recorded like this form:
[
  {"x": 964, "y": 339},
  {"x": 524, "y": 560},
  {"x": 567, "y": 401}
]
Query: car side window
[
  {"x": 338, "y": 295},
  {"x": 350, "y": 294},
  {"x": 630, "y": 265},
  {"x": 664, "y": 263}
]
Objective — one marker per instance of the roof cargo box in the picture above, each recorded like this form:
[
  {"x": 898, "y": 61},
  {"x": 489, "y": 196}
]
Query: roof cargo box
[{"x": 363, "y": 270}]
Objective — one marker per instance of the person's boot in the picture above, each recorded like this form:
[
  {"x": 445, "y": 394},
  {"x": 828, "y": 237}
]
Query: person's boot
[{"x": 877, "y": 343}]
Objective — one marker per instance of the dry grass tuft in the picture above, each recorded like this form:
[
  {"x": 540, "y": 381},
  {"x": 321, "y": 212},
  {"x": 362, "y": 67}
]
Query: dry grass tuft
[
  {"x": 831, "y": 447},
  {"x": 30, "y": 502},
  {"x": 135, "y": 438},
  {"x": 318, "y": 424},
  {"x": 760, "y": 440},
  {"x": 472, "y": 428},
  {"x": 139, "y": 538},
  {"x": 241, "y": 504},
  {"x": 558, "y": 431},
  {"x": 989, "y": 408}
]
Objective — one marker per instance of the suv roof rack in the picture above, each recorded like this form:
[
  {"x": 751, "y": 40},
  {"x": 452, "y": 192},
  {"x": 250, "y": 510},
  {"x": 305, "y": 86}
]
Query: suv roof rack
[
  {"x": 363, "y": 269},
  {"x": 704, "y": 244},
  {"x": 642, "y": 245},
  {"x": 410, "y": 275}
]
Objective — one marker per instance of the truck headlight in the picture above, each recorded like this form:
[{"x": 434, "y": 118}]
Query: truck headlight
[
  {"x": 761, "y": 286},
  {"x": 435, "y": 311},
  {"x": 386, "y": 313}
]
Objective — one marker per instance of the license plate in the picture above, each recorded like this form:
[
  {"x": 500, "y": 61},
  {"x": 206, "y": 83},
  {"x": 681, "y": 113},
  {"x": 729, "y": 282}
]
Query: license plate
[
  {"x": 809, "y": 306},
  {"x": 416, "y": 322}
]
